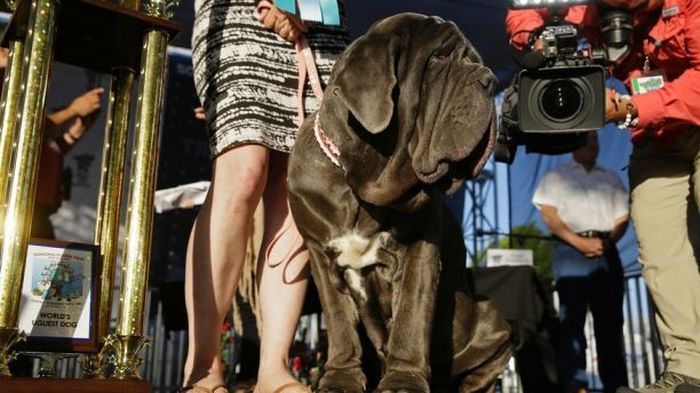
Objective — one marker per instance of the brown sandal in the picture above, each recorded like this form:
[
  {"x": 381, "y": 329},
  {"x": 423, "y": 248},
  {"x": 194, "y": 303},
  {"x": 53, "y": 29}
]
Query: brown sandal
[
  {"x": 202, "y": 389},
  {"x": 247, "y": 386},
  {"x": 292, "y": 384}
]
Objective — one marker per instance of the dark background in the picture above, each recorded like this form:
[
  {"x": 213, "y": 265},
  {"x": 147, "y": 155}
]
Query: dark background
[{"x": 482, "y": 21}]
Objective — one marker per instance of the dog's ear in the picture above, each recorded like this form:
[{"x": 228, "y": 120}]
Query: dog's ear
[
  {"x": 482, "y": 147},
  {"x": 460, "y": 123},
  {"x": 480, "y": 155},
  {"x": 365, "y": 79}
]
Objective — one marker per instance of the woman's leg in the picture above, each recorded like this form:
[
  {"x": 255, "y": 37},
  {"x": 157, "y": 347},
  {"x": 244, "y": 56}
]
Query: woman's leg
[
  {"x": 283, "y": 277},
  {"x": 215, "y": 255}
]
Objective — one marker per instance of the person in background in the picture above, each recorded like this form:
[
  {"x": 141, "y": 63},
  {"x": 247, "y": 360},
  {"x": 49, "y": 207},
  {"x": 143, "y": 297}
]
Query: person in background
[
  {"x": 246, "y": 75},
  {"x": 62, "y": 130},
  {"x": 664, "y": 170},
  {"x": 585, "y": 207}
]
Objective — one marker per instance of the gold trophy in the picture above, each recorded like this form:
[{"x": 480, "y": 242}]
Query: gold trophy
[{"x": 95, "y": 35}]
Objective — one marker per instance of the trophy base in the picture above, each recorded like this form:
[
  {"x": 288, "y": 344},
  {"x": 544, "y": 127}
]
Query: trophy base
[{"x": 52, "y": 385}]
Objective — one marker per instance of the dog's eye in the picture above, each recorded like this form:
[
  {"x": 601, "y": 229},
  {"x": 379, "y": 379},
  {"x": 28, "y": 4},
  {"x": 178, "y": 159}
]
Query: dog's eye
[{"x": 439, "y": 57}]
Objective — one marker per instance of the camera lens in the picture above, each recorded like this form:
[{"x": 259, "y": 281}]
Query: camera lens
[{"x": 560, "y": 100}]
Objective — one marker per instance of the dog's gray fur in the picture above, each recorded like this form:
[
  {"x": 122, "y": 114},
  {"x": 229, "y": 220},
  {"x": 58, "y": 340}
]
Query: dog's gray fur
[{"x": 410, "y": 108}]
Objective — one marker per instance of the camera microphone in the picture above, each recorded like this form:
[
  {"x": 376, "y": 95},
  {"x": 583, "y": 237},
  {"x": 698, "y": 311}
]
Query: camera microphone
[
  {"x": 616, "y": 28},
  {"x": 533, "y": 60}
]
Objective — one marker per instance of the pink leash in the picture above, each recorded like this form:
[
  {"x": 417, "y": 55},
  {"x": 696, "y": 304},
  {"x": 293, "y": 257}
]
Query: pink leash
[
  {"x": 307, "y": 68},
  {"x": 306, "y": 64}
]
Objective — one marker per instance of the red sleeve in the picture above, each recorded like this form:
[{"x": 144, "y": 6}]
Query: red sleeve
[
  {"x": 520, "y": 23},
  {"x": 679, "y": 100},
  {"x": 50, "y": 175}
]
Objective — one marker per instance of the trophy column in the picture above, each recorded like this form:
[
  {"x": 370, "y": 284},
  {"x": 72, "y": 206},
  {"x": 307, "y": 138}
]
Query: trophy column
[
  {"x": 109, "y": 206},
  {"x": 129, "y": 339},
  {"x": 16, "y": 225},
  {"x": 9, "y": 103}
]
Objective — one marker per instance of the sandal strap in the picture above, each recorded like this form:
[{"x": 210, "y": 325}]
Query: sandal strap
[
  {"x": 193, "y": 388},
  {"x": 219, "y": 386}
]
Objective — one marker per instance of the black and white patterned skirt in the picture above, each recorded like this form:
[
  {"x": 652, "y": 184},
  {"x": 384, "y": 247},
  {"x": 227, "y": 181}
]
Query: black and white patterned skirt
[{"x": 246, "y": 75}]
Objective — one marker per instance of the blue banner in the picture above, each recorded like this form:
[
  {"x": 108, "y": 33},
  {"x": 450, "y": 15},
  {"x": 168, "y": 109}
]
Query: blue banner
[
  {"x": 287, "y": 5},
  {"x": 321, "y": 11},
  {"x": 310, "y": 10},
  {"x": 330, "y": 12}
]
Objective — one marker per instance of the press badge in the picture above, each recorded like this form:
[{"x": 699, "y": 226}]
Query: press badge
[{"x": 650, "y": 80}]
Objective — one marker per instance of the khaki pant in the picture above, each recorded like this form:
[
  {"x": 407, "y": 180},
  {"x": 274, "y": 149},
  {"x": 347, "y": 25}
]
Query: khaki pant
[{"x": 665, "y": 186}]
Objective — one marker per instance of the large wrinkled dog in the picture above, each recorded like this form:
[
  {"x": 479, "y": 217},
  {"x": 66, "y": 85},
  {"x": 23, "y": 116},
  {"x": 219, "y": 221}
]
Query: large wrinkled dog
[{"x": 407, "y": 116}]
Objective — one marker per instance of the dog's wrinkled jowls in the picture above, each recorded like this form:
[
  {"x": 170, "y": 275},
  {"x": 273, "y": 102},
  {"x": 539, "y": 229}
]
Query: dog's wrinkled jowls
[{"x": 408, "y": 115}]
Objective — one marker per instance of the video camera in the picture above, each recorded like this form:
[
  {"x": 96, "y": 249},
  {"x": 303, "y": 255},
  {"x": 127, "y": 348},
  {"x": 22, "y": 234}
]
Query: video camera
[{"x": 560, "y": 94}]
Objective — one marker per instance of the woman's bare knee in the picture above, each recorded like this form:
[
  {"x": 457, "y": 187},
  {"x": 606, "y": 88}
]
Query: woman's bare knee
[{"x": 239, "y": 178}]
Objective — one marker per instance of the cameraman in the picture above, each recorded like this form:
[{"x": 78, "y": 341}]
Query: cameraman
[{"x": 665, "y": 162}]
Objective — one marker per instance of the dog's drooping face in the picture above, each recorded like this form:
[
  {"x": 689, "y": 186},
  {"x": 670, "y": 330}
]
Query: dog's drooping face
[
  {"x": 417, "y": 93},
  {"x": 408, "y": 114}
]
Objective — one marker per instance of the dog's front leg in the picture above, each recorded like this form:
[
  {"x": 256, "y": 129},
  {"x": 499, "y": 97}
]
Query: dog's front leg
[
  {"x": 414, "y": 291},
  {"x": 343, "y": 372}
]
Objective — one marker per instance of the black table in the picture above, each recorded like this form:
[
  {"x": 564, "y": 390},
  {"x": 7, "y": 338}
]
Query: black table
[{"x": 518, "y": 295}]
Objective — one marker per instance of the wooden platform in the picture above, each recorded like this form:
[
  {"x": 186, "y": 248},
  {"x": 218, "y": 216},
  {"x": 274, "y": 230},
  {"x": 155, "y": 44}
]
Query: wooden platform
[{"x": 50, "y": 385}]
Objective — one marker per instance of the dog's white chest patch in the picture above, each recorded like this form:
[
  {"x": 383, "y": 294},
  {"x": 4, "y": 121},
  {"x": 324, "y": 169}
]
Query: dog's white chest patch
[
  {"x": 354, "y": 281},
  {"x": 357, "y": 251}
]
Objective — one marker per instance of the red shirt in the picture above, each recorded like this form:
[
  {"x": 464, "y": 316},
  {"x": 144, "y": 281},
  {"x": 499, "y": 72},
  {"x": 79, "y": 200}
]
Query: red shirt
[
  {"x": 50, "y": 176},
  {"x": 673, "y": 45}
]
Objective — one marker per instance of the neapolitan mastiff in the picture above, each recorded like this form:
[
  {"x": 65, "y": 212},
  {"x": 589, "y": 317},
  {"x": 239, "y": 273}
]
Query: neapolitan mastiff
[{"x": 408, "y": 114}]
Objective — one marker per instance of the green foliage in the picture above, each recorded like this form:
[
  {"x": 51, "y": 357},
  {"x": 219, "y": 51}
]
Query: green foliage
[{"x": 542, "y": 249}]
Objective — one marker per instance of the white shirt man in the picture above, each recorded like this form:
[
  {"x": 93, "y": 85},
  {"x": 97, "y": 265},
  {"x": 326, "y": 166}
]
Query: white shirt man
[
  {"x": 586, "y": 208},
  {"x": 583, "y": 200}
]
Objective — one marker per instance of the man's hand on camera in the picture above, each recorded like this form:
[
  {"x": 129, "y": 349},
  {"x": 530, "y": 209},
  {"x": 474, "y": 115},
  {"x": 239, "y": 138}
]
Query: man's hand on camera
[
  {"x": 617, "y": 107},
  {"x": 537, "y": 45}
]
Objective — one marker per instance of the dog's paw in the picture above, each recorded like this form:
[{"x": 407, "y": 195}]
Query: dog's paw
[
  {"x": 342, "y": 381},
  {"x": 398, "y": 382}
]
